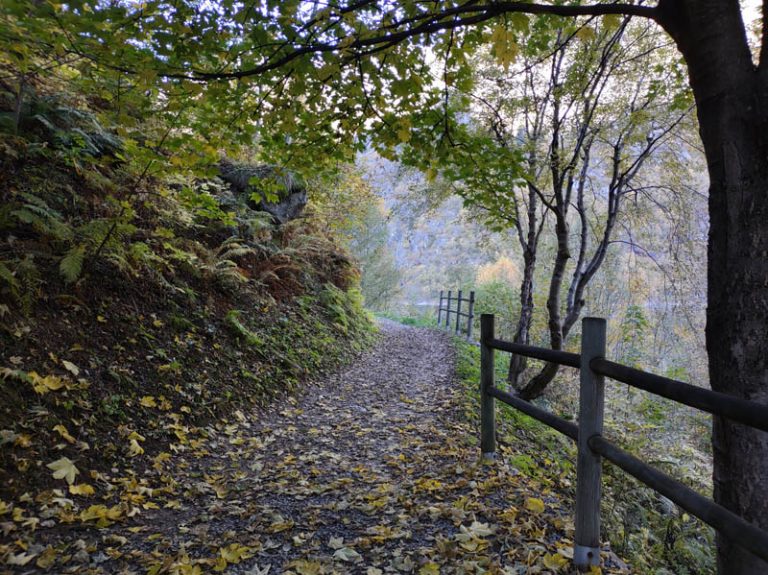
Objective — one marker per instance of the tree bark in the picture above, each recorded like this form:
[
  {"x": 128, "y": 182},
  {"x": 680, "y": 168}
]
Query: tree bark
[{"x": 733, "y": 115}]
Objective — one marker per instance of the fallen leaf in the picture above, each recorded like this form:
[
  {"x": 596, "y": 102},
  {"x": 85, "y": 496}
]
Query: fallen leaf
[
  {"x": 347, "y": 554},
  {"x": 555, "y": 561},
  {"x": 534, "y": 505},
  {"x": 81, "y": 489},
  {"x": 148, "y": 401},
  {"x": 64, "y": 469},
  {"x": 70, "y": 367},
  {"x": 134, "y": 448},
  {"x": 64, "y": 433}
]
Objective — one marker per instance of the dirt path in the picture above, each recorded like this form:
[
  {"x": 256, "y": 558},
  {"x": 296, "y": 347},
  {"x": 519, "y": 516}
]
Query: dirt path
[{"x": 373, "y": 470}]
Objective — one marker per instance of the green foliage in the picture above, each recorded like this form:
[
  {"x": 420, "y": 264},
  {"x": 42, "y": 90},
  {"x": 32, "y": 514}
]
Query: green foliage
[
  {"x": 204, "y": 205},
  {"x": 380, "y": 274},
  {"x": 633, "y": 330},
  {"x": 35, "y": 211},
  {"x": 237, "y": 326},
  {"x": 71, "y": 264}
]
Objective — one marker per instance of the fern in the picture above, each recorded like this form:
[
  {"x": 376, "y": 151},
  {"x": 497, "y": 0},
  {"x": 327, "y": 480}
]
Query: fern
[
  {"x": 44, "y": 219},
  {"x": 234, "y": 248},
  {"x": 242, "y": 331},
  {"x": 228, "y": 274},
  {"x": 71, "y": 265},
  {"x": 29, "y": 278},
  {"x": 9, "y": 279}
]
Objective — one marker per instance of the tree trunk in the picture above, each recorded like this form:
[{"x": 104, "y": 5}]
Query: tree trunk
[
  {"x": 518, "y": 363},
  {"x": 733, "y": 117}
]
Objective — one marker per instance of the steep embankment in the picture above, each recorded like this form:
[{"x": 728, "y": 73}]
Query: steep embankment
[{"x": 137, "y": 318}]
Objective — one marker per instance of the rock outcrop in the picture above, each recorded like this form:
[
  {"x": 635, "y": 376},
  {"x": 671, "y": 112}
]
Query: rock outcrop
[{"x": 266, "y": 188}]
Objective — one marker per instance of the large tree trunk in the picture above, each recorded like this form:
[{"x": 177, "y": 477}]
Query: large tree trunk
[{"x": 733, "y": 119}]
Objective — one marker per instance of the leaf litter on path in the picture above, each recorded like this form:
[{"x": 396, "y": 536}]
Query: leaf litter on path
[{"x": 373, "y": 470}]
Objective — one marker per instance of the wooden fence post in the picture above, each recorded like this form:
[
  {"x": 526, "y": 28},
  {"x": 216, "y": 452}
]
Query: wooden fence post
[
  {"x": 487, "y": 413},
  {"x": 586, "y": 550},
  {"x": 448, "y": 311},
  {"x": 458, "y": 314},
  {"x": 440, "y": 307},
  {"x": 471, "y": 317}
]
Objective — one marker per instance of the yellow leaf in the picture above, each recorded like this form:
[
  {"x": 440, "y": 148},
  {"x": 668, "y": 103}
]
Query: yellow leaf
[
  {"x": 64, "y": 469},
  {"x": 148, "y": 401},
  {"x": 534, "y": 505},
  {"x": 103, "y": 515},
  {"x": 430, "y": 569},
  {"x": 137, "y": 436},
  {"x": 46, "y": 558},
  {"x": 611, "y": 21},
  {"x": 134, "y": 448},
  {"x": 20, "y": 559},
  {"x": 64, "y": 433},
  {"x": 81, "y": 489},
  {"x": 4, "y": 507},
  {"x": 22, "y": 440},
  {"x": 586, "y": 33},
  {"x": 234, "y": 553},
  {"x": 555, "y": 561},
  {"x": 505, "y": 47},
  {"x": 305, "y": 567},
  {"x": 43, "y": 385},
  {"x": 404, "y": 130}
]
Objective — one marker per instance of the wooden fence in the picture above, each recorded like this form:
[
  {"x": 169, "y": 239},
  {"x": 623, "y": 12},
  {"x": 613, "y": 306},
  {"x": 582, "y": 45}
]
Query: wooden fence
[
  {"x": 444, "y": 313},
  {"x": 593, "y": 368}
]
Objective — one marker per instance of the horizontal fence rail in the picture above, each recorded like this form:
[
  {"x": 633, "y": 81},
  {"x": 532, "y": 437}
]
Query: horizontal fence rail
[
  {"x": 734, "y": 408},
  {"x": 444, "y": 313},
  {"x": 592, "y": 446}
]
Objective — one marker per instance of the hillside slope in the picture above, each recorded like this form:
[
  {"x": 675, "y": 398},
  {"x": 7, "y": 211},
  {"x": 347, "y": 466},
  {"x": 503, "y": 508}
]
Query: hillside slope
[{"x": 136, "y": 318}]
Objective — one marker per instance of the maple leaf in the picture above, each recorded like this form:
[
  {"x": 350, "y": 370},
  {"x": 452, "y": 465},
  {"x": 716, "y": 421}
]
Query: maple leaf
[
  {"x": 103, "y": 515},
  {"x": 20, "y": 558},
  {"x": 47, "y": 558},
  {"x": 148, "y": 401},
  {"x": 554, "y": 561},
  {"x": 134, "y": 448},
  {"x": 347, "y": 554},
  {"x": 234, "y": 553},
  {"x": 305, "y": 567},
  {"x": 534, "y": 505},
  {"x": 43, "y": 385},
  {"x": 64, "y": 433},
  {"x": 22, "y": 440},
  {"x": 81, "y": 489},
  {"x": 64, "y": 469}
]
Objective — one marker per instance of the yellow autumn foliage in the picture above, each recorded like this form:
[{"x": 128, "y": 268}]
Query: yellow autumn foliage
[{"x": 502, "y": 270}]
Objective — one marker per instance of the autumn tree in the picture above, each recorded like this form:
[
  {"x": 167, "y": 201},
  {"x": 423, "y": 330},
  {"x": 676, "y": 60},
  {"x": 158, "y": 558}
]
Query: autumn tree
[{"x": 586, "y": 114}]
